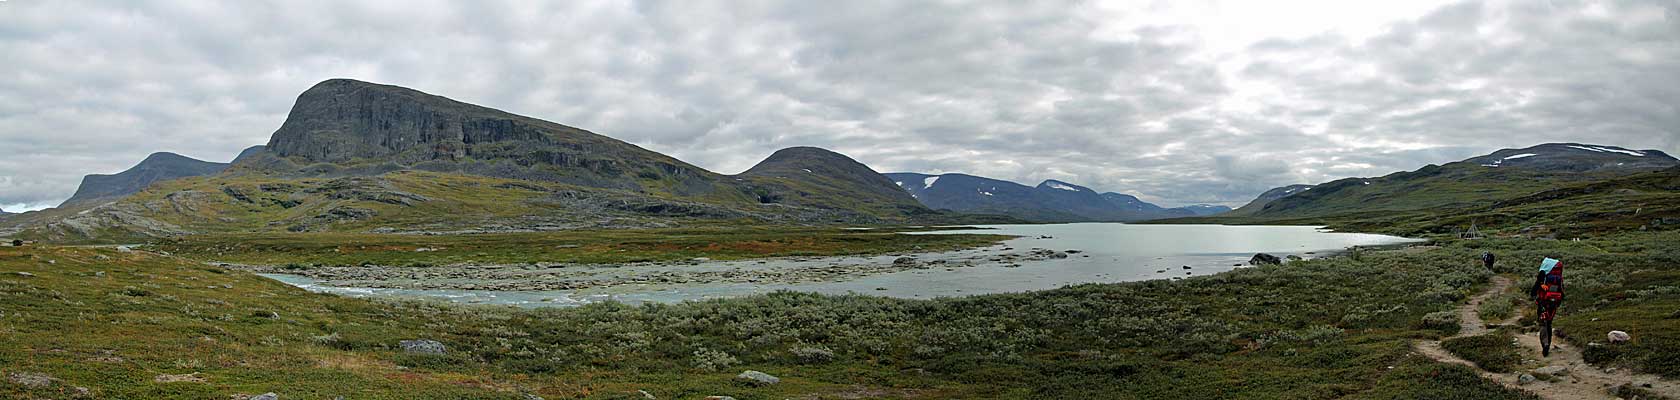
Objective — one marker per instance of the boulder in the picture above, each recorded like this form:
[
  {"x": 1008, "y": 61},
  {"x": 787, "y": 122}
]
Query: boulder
[
  {"x": 1618, "y": 336},
  {"x": 1525, "y": 379},
  {"x": 423, "y": 346},
  {"x": 1553, "y": 370},
  {"x": 1264, "y": 259},
  {"x": 30, "y": 380},
  {"x": 756, "y": 378},
  {"x": 266, "y": 396}
]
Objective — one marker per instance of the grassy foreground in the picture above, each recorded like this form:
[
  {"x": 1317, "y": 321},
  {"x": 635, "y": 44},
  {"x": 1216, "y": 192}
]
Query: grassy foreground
[
  {"x": 123, "y": 324},
  {"x": 579, "y": 246}
]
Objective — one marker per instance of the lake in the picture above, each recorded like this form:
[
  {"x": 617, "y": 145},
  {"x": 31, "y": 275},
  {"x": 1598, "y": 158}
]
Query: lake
[{"x": 1107, "y": 253}]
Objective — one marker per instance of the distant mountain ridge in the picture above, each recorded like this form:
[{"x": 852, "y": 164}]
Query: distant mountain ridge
[
  {"x": 360, "y": 156},
  {"x": 159, "y": 166},
  {"x": 1474, "y": 182},
  {"x": 1050, "y": 201}
]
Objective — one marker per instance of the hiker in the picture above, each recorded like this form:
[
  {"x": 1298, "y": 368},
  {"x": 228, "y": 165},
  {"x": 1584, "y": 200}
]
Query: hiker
[
  {"x": 1548, "y": 295},
  {"x": 1487, "y": 260}
]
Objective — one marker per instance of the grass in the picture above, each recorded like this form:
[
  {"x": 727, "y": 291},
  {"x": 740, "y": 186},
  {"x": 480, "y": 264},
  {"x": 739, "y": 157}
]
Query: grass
[
  {"x": 580, "y": 246},
  {"x": 1317, "y": 329},
  {"x": 1505, "y": 305},
  {"x": 1492, "y": 351}
]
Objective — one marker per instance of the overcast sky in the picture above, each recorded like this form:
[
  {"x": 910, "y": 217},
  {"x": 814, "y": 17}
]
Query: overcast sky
[{"x": 1174, "y": 101}]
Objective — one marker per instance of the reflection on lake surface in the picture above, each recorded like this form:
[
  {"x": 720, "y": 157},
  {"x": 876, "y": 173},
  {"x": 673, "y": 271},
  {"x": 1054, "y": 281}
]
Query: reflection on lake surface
[{"x": 1108, "y": 252}]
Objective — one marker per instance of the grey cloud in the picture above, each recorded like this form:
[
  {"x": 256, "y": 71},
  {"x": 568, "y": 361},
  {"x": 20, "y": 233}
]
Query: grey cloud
[{"x": 1021, "y": 91}]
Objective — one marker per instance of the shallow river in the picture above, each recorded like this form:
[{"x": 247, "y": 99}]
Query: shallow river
[{"x": 1107, "y": 253}]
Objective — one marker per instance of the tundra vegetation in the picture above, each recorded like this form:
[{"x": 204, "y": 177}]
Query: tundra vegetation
[{"x": 116, "y": 323}]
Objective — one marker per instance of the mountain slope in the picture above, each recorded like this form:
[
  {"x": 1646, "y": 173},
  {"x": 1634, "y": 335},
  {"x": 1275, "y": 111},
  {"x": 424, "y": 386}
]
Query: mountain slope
[
  {"x": 1202, "y": 210},
  {"x": 1470, "y": 183},
  {"x": 1435, "y": 192},
  {"x": 814, "y": 177},
  {"x": 1266, "y": 198},
  {"x": 248, "y": 153},
  {"x": 1640, "y": 201},
  {"x": 1050, "y": 201},
  {"x": 355, "y": 156},
  {"x": 157, "y": 167}
]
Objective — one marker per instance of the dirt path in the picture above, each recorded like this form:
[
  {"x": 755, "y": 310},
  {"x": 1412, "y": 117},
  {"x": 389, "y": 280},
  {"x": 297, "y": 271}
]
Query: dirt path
[{"x": 1582, "y": 381}]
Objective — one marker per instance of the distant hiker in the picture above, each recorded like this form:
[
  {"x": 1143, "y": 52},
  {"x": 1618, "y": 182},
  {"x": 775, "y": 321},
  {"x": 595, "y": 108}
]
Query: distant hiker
[
  {"x": 1487, "y": 260},
  {"x": 1548, "y": 295},
  {"x": 17, "y": 242}
]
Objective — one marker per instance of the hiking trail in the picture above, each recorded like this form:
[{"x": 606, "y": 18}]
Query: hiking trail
[{"x": 1581, "y": 381}]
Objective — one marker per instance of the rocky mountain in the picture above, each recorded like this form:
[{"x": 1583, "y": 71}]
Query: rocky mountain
[
  {"x": 1469, "y": 184},
  {"x": 814, "y": 177},
  {"x": 1050, "y": 201},
  {"x": 344, "y": 127},
  {"x": 357, "y": 156},
  {"x": 157, "y": 167}
]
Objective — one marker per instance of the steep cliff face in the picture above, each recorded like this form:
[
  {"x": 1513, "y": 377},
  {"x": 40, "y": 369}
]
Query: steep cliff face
[{"x": 365, "y": 128}]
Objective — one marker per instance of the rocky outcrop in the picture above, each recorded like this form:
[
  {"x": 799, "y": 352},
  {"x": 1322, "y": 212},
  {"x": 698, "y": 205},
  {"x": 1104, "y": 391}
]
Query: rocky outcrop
[
  {"x": 358, "y": 127},
  {"x": 1265, "y": 259},
  {"x": 755, "y": 378},
  {"x": 423, "y": 346}
]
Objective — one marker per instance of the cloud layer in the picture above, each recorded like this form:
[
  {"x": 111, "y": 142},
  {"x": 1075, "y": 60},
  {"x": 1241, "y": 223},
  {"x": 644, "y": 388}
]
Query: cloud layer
[{"x": 1176, "y": 103}]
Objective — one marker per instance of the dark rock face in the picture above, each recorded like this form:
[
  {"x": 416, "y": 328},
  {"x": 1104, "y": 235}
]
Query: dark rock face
[
  {"x": 368, "y": 128},
  {"x": 155, "y": 168},
  {"x": 1050, "y": 201}
]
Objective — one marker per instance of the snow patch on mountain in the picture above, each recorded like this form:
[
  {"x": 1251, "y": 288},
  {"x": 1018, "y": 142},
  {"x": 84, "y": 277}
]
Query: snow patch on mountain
[
  {"x": 1058, "y": 185},
  {"x": 927, "y": 183},
  {"x": 1523, "y": 155},
  {"x": 1609, "y": 150}
]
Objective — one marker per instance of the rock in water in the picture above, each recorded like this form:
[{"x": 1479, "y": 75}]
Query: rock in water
[
  {"x": 904, "y": 261},
  {"x": 1618, "y": 337},
  {"x": 756, "y": 378},
  {"x": 1264, "y": 259},
  {"x": 423, "y": 346}
]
